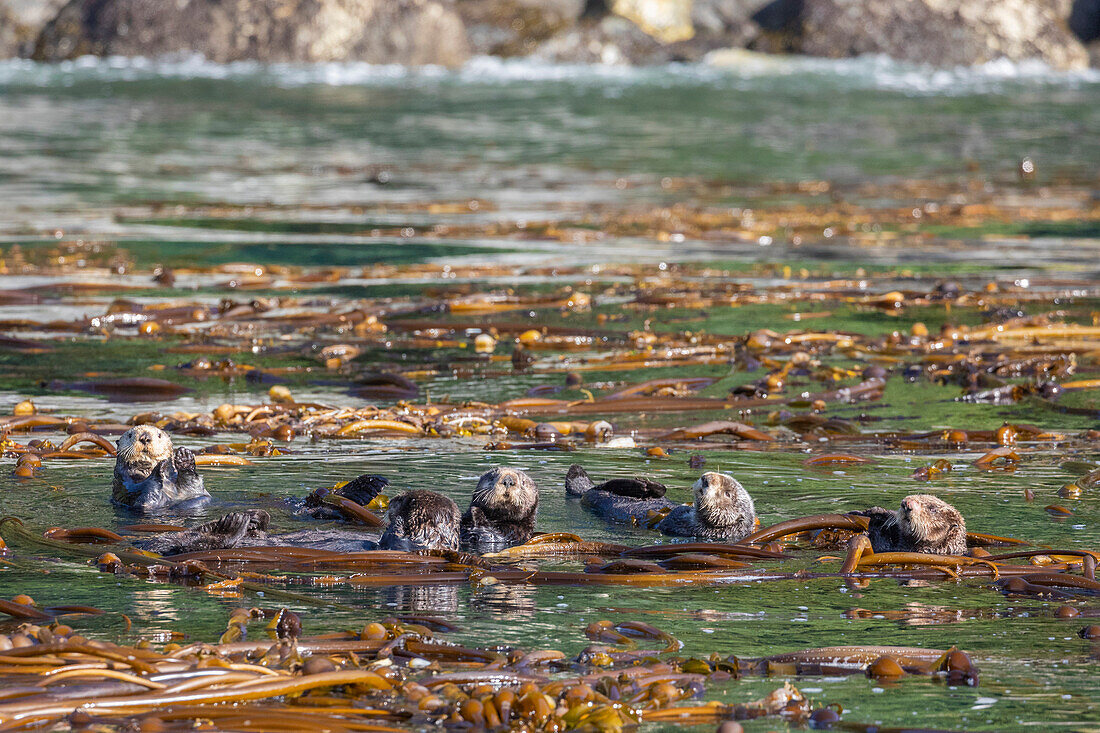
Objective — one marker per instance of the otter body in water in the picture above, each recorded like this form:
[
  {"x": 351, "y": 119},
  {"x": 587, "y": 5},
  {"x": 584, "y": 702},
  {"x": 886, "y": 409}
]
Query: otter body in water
[
  {"x": 723, "y": 510},
  {"x": 418, "y": 520},
  {"x": 150, "y": 475},
  {"x": 502, "y": 511},
  {"x": 421, "y": 520},
  {"x": 624, "y": 501},
  {"x": 236, "y": 529},
  {"x": 924, "y": 523}
]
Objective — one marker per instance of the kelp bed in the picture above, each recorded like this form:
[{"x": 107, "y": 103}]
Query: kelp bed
[{"x": 889, "y": 378}]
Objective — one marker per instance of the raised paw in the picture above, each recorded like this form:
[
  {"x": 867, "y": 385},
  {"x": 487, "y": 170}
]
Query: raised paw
[
  {"x": 184, "y": 459},
  {"x": 237, "y": 524}
]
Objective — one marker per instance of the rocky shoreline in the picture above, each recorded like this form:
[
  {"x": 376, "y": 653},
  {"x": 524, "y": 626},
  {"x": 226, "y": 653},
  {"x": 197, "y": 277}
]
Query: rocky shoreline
[{"x": 1064, "y": 34}]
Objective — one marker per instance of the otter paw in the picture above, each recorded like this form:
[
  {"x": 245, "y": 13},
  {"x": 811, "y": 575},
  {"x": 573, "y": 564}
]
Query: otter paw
[
  {"x": 184, "y": 459},
  {"x": 363, "y": 489},
  {"x": 237, "y": 523}
]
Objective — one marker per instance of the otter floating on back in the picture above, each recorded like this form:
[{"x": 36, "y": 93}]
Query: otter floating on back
[
  {"x": 502, "y": 511},
  {"x": 620, "y": 500},
  {"x": 150, "y": 475},
  {"x": 722, "y": 511},
  {"x": 924, "y": 523},
  {"x": 417, "y": 520}
]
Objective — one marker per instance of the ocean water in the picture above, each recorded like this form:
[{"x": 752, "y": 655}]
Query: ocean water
[{"x": 129, "y": 163}]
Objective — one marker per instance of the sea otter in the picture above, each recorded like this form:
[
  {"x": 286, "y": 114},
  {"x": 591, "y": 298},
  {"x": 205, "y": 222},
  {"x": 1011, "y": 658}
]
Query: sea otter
[
  {"x": 421, "y": 520},
  {"x": 723, "y": 510},
  {"x": 418, "y": 520},
  {"x": 502, "y": 511},
  {"x": 150, "y": 475},
  {"x": 924, "y": 523},
  {"x": 620, "y": 500},
  {"x": 236, "y": 529}
]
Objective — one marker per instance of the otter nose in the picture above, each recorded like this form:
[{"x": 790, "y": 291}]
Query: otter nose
[
  {"x": 908, "y": 504},
  {"x": 145, "y": 439}
]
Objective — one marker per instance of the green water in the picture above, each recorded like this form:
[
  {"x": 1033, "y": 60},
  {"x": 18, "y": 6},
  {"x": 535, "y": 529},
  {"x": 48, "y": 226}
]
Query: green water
[{"x": 176, "y": 166}]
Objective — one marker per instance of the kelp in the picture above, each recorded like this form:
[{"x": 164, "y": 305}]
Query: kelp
[
  {"x": 591, "y": 346},
  {"x": 344, "y": 681}
]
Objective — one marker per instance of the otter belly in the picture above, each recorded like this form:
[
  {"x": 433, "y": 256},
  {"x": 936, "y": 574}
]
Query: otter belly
[
  {"x": 154, "y": 494},
  {"x": 683, "y": 521},
  {"x": 164, "y": 488}
]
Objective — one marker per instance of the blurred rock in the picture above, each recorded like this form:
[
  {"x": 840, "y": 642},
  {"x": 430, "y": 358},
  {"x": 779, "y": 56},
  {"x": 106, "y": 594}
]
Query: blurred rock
[
  {"x": 20, "y": 23},
  {"x": 413, "y": 32},
  {"x": 516, "y": 27},
  {"x": 448, "y": 32},
  {"x": 668, "y": 21},
  {"x": 938, "y": 32},
  {"x": 639, "y": 32}
]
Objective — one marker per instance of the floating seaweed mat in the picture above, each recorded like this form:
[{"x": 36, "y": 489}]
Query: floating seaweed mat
[
  {"x": 542, "y": 406},
  {"x": 86, "y": 437},
  {"x": 311, "y": 645},
  {"x": 31, "y": 422},
  {"x": 379, "y": 557},
  {"x": 83, "y": 535},
  {"x": 715, "y": 548},
  {"x": 363, "y": 427},
  {"x": 980, "y": 539},
  {"x": 304, "y": 718},
  {"x": 274, "y": 553},
  {"x": 557, "y": 544},
  {"x": 1085, "y": 555},
  {"x": 857, "y": 656},
  {"x": 142, "y": 703},
  {"x": 516, "y": 327},
  {"x": 718, "y": 427},
  {"x": 806, "y": 524},
  {"x": 690, "y": 384},
  {"x": 701, "y": 577},
  {"x": 1063, "y": 580},
  {"x": 126, "y": 389}
]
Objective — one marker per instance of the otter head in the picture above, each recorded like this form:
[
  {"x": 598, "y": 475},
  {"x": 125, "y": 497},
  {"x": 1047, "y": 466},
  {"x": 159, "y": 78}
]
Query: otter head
[
  {"x": 924, "y": 517},
  {"x": 141, "y": 448},
  {"x": 720, "y": 500},
  {"x": 506, "y": 492}
]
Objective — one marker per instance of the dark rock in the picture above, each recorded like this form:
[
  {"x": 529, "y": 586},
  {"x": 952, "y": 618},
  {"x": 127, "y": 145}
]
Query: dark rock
[
  {"x": 410, "y": 32},
  {"x": 937, "y": 32},
  {"x": 1084, "y": 20}
]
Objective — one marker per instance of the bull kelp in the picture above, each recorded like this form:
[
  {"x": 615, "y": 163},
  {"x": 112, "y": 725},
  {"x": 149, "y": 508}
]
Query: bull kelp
[{"x": 330, "y": 279}]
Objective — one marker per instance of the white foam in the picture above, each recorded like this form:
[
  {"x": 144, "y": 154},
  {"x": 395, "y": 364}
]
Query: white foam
[{"x": 736, "y": 69}]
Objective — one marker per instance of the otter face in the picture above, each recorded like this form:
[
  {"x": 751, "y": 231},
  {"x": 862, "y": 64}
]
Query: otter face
[
  {"x": 141, "y": 448},
  {"x": 924, "y": 516},
  {"x": 721, "y": 500},
  {"x": 506, "y": 490}
]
